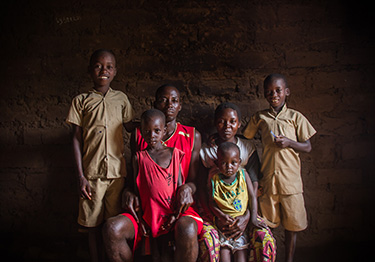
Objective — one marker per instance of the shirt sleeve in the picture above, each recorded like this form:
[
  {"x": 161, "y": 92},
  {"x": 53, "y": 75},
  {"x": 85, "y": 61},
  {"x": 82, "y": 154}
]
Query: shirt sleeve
[
  {"x": 75, "y": 114},
  {"x": 251, "y": 127},
  {"x": 127, "y": 111},
  {"x": 203, "y": 156},
  {"x": 304, "y": 129}
]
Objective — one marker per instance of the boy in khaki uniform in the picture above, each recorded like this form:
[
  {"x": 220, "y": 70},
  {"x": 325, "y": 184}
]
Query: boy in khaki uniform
[
  {"x": 284, "y": 133},
  {"x": 98, "y": 118}
]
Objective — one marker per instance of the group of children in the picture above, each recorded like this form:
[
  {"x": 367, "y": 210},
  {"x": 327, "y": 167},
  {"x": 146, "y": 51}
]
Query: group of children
[{"x": 187, "y": 200}]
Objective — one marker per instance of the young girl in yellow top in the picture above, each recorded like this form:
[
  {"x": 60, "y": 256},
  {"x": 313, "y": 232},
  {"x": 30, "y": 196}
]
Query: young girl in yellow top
[{"x": 230, "y": 191}]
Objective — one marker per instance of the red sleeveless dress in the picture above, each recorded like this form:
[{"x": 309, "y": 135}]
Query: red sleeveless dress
[
  {"x": 157, "y": 187},
  {"x": 182, "y": 138}
]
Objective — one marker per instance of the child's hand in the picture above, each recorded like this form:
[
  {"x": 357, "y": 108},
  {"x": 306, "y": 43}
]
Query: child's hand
[
  {"x": 282, "y": 141},
  {"x": 224, "y": 221},
  {"x": 85, "y": 188},
  {"x": 236, "y": 229},
  {"x": 145, "y": 228},
  {"x": 257, "y": 222},
  {"x": 169, "y": 223}
]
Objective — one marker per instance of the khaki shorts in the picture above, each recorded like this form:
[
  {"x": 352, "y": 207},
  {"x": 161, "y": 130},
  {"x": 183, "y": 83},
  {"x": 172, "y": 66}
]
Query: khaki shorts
[
  {"x": 105, "y": 202},
  {"x": 287, "y": 209}
]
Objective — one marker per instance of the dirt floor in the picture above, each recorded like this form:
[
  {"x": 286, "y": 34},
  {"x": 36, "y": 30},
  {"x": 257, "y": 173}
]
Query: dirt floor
[{"x": 28, "y": 249}]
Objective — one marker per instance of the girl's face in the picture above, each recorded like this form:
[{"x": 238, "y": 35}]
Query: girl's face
[
  {"x": 228, "y": 162},
  {"x": 153, "y": 130},
  {"x": 227, "y": 124}
]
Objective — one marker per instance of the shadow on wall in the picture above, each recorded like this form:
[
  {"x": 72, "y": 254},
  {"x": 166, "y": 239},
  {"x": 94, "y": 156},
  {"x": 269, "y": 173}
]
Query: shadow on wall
[{"x": 39, "y": 218}]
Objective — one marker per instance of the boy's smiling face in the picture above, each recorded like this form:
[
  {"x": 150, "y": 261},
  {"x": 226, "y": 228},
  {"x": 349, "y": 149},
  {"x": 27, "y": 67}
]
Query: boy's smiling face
[
  {"x": 276, "y": 93},
  {"x": 103, "y": 69}
]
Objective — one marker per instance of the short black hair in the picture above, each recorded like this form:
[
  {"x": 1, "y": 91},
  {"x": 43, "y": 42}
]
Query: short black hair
[
  {"x": 270, "y": 78},
  {"x": 220, "y": 108},
  {"x": 161, "y": 88},
  {"x": 226, "y": 146},
  {"x": 100, "y": 51},
  {"x": 148, "y": 114}
]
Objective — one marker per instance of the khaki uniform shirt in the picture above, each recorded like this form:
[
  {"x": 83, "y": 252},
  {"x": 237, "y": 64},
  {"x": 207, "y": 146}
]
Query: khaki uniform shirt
[
  {"x": 101, "y": 118},
  {"x": 281, "y": 167}
]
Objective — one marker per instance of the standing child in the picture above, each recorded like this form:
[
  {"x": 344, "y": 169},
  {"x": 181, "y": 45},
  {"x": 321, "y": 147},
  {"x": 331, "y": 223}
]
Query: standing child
[
  {"x": 97, "y": 118},
  {"x": 230, "y": 190},
  {"x": 284, "y": 133}
]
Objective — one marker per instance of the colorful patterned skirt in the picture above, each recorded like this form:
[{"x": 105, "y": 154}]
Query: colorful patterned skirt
[{"x": 262, "y": 246}]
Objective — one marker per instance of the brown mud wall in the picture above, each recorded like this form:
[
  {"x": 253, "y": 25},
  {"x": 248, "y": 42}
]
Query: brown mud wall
[{"x": 213, "y": 51}]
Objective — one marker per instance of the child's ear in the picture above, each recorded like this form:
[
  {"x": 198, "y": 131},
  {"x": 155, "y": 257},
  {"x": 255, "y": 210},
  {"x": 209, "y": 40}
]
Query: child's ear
[
  {"x": 287, "y": 91},
  {"x": 240, "y": 160}
]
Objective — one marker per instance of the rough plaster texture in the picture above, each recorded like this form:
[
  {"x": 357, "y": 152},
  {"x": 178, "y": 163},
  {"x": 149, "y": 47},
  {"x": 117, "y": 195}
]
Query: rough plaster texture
[{"x": 213, "y": 51}]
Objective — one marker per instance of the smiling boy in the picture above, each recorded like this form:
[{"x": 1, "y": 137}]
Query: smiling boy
[
  {"x": 285, "y": 132},
  {"x": 97, "y": 118}
]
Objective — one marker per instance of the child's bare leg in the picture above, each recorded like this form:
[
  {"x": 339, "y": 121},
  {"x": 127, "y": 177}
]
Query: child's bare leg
[
  {"x": 225, "y": 254},
  {"x": 241, "y": 255},
  {"x": 93, "y": 246},
  {"x": 186, "y": 239},
  {"x": 96, "y": 244},
  {"x": 290, "y": 245}
]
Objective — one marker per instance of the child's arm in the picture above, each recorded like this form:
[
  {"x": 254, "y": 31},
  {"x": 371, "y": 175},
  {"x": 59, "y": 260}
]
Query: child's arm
[
  {"x": 130, "y": 200},
  {"x": 253, "y": 204},
  {"x": 84, "y": 186},
  {"x": 283, "y": 142}
]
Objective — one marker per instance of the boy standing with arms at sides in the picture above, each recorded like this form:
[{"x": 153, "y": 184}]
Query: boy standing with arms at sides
[
  {"x": 230, "y": 188},
  {"x": 97, "y": 118},
  {"x": 284, "y": 133}
]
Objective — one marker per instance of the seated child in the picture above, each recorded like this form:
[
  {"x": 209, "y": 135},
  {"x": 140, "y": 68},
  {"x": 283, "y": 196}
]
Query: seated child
[
  {"x": 230, "y": 190},
  {"x": 157, "y": 175}
]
